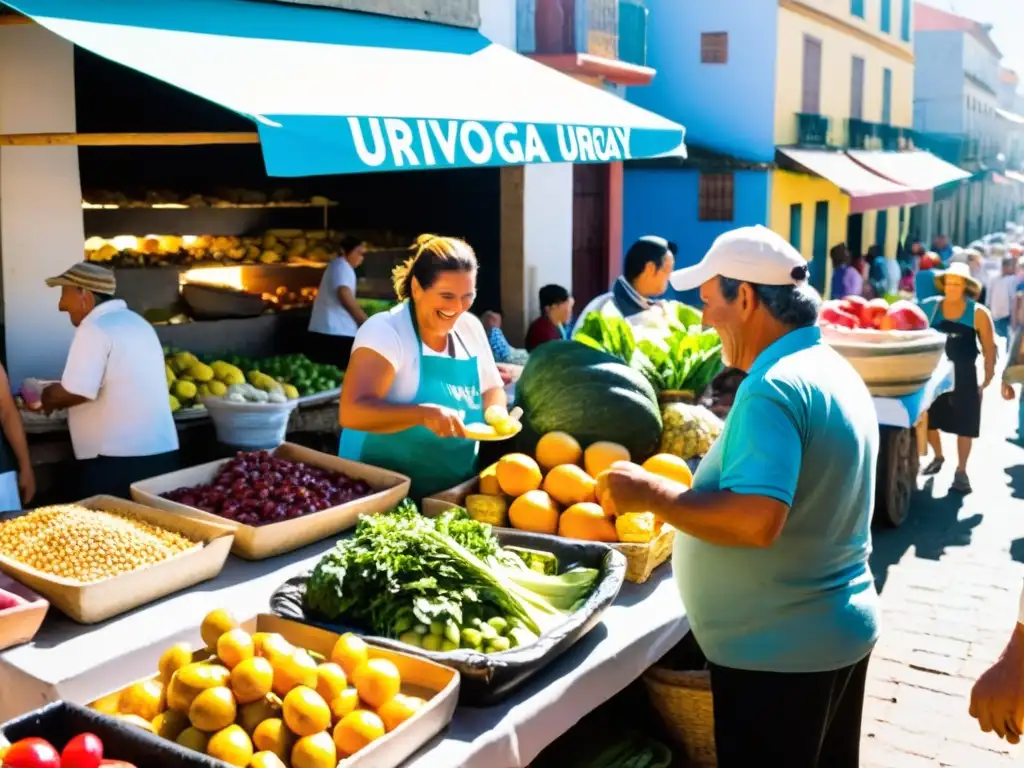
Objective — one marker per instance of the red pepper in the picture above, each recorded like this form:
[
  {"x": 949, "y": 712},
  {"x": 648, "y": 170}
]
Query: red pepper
[
  {"x": 83, "y": 751},
  {"x": 31, "y": 753}
]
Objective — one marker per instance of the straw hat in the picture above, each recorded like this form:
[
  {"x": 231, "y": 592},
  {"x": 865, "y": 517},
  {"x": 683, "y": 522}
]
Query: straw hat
[
  {"x": 90, "y": 277},
  {"x": 972, "y": 287}
]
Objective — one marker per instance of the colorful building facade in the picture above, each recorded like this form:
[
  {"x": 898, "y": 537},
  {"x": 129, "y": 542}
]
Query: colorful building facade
[{"x": 798, "y": 115}]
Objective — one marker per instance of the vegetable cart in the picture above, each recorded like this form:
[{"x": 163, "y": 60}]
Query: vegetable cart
[{"x": 897, "y": 469}]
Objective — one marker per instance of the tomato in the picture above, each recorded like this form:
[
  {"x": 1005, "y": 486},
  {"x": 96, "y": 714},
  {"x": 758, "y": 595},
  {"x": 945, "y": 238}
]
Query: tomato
[
  {"x": 83, "y": 751},
  {"x": 31, "y": 753}
]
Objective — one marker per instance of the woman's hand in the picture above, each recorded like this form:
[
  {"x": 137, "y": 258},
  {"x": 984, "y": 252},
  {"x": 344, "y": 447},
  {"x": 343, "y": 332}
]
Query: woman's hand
[
  {"x": 442, "y": 421},
  {"x": 26, "y": 484},
  {"x": 628, "y": 488},
  {"x": 997, "y": 700},
  {"x": 1008, "y": 393}
]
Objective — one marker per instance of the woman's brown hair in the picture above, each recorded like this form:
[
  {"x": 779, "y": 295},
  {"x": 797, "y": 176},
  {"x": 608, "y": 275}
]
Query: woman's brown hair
[{"x": 432, "y": 255}]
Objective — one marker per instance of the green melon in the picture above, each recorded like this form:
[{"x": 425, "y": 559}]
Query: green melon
[{"x": 570, "y": 387}]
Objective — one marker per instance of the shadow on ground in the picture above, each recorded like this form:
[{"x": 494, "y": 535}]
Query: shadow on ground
[{"x": 934, "y": 525}]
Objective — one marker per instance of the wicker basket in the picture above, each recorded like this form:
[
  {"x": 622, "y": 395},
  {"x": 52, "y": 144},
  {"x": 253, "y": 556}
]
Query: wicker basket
[
  {"x": 642, "y": 559},
  {"x": 683, "y": 699}
]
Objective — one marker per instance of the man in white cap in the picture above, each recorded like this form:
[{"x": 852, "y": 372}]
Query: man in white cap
[
  {"x": 771, "y": 555},
  {"x": 114, "y": 387}
]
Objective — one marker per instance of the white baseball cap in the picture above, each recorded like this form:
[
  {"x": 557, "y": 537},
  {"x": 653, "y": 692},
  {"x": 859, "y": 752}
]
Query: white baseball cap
[{"x": 750, "y": 254}]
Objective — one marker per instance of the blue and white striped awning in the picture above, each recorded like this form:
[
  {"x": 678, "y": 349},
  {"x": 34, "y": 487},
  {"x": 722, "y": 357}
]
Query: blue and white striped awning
[{"x": 342, "y": 92}]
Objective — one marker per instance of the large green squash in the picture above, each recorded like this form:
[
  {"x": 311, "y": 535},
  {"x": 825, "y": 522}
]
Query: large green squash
[{"x": 570, "y": 387}]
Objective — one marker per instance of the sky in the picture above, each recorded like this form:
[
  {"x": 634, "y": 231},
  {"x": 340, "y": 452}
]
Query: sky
[{"x": 1007, "y": 18}]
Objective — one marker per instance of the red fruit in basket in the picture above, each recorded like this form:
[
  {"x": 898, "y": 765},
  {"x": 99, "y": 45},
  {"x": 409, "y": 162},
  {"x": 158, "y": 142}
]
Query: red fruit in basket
[
  {"x": 833, "y": 315},
  {"x": 871, "y": 314},
  {"x": 83, "y": 751},
  {"x": 31, "y": 753},
  {"x": 853, "y": 304},
  {"x": 904, "y": 316}
]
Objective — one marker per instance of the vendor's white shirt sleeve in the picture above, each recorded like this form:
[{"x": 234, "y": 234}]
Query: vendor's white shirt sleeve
[
  {"x": 390, "y": 335},
  {"x": 117, "y": 363},
  {"x": 595, "y": 305},
  {"x": 329, "y": 315}
]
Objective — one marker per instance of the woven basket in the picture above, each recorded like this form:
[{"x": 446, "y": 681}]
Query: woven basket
[
  {"x": 683, "y": 699},
  {"x": 642, "y": 559}
]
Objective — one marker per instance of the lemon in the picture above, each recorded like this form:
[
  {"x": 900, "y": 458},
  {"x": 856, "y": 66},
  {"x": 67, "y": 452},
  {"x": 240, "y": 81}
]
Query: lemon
[
  {"x": 174, "y": 403},
  {"x": 231, "y": 745},
  {"x": 213, "y": 709},
  {"x": 217, "y": 388},
  {"x": 185, "y": 390}
]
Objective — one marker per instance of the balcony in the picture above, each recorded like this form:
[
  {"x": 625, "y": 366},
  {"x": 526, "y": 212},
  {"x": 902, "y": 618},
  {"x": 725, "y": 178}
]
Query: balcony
[
  {"x": 864, "y": 135},
  {"x": 589, "y": 38},
  {"x": 812, "y": 130}
]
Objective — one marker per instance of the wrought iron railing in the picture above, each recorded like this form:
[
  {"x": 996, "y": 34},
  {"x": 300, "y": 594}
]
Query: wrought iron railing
[{"x": 812, "y": 130}]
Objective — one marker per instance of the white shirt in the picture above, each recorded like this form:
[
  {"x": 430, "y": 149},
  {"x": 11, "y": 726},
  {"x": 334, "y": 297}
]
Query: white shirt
[
  {"x": 117, "y": 363},
  {"x": 391, "y": 335},
  {"x": 329, "y": 314},
  {"x": 1002, "y": 295}
]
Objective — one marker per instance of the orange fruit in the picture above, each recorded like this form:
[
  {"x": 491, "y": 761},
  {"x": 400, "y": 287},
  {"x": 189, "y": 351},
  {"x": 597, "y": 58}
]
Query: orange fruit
[
  {"x": 534, "y": 511},
  {"x": 251, "y": 715},
  {"x": 316, "y": 751},
  {"x": 234, "y": 647},
  {"x": 636, "y": 527},
  {"x": 266, "y": 760},
  {"x": 215, "y": 624},
  {"x": 395, "y": 712},
  {"x": 298, "y": 668},
  {"x": 568, "y": 484},
  {"x": 271, "y": 646},
  {"x": 213, "y": 709},
  {"x": 272, "y": 736},
  {"x": 330, "y": 680},
  {"x": 305, "y": 711},
  {"x": 670, "y": 467},
  {"x": 377, "y": 681},
  {"x": 251, "y": 679},
  {"x": 600, "y": 456},
  {"x": 231, "y": 745},
  {"x": 350, "y": 652},
  {"x": 587, "y": 521},
  {"x": 518, "y": 474},
  {"x": 557, "y": 448},
  {"x": 173, "y": 659},
  {"x": 489, "y": 481},
  {"x": 356, "y": 730},
  {"x": 346, "y": 702},
  {"x": 146, "y": 698}
]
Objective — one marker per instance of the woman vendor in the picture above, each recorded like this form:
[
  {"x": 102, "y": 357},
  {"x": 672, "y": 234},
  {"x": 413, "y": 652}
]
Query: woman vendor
[
  {"x": 966, "y": 323},
  {"x": 422, "y": 371},
  {"x": 646, "y": 269}
]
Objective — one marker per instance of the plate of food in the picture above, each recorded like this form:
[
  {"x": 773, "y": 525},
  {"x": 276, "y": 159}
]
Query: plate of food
[{"x": 498, "y": 424}]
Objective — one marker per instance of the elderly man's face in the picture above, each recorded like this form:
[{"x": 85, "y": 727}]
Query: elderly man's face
[
  {"x": 76, "y": 302},
  {"x": 729, "y": 318}
]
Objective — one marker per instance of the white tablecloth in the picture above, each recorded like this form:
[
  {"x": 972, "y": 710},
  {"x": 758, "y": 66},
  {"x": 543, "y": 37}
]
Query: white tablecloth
[{"x": 645, "y": 622}]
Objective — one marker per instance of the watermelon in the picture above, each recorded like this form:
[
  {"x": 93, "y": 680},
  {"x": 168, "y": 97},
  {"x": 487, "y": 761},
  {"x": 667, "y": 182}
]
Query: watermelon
[{"x": 570, "y": 387}]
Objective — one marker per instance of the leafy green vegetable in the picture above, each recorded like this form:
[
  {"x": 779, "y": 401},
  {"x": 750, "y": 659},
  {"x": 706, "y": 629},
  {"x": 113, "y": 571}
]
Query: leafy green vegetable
[
  {"x": 672, "y": 349},
  {"x": 401, "y": 570}
]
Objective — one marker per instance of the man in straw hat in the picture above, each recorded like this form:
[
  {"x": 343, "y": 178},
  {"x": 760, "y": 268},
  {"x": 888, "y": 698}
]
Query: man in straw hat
[
  {"x": 772, "y": 543},
  {"x": 114, "y": 387},
  {"x": 967, "y": 325}
]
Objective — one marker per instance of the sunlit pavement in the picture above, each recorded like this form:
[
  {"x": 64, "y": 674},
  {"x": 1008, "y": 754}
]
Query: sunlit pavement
[{"x": 950, "y": 580}]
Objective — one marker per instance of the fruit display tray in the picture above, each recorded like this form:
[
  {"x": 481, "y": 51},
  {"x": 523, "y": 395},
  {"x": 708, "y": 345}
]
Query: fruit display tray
[
  {"x": 641, "y": 559},
  {"x": 436, "y": 684},
  {"x": 100, "y": 600},
  {"x": 19, "y": 624},
  {"x": 260, "y": 542}
]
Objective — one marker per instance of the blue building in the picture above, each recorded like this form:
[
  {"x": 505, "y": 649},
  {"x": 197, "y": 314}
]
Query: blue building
[{"x": 730, "y": 119}]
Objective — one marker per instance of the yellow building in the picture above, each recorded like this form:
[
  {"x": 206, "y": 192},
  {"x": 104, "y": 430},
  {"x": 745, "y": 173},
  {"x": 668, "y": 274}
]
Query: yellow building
[{"x": 844, "y": 94}]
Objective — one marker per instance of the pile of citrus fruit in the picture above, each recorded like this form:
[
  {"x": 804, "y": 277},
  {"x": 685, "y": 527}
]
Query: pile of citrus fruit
[
  {"x": 555, "y": 492},
  {"x": 258, "y": 701}
]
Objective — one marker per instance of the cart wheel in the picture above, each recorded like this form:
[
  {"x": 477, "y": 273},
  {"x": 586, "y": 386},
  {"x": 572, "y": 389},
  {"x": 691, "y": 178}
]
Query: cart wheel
[{"x": 897, "y": 475}]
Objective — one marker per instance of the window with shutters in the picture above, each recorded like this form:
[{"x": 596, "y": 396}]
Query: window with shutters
[
  {"x": 716, "y": 197},
  {"x": 857, "y": 88},
  {"x": 714, "y": 47},
  {"x": 905, "y": 20},
  {"x": 811, "y": 101},
  {"x": 886, "y": 16},
  {"x": 887, "y": 96},
  {"x": 857, "y": 8}
]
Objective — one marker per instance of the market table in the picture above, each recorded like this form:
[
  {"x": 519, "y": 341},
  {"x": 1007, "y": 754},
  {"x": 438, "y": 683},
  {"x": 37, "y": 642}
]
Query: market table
[
  {"x": 79, "y": 663},
  {"x": 645, "y": 621}
]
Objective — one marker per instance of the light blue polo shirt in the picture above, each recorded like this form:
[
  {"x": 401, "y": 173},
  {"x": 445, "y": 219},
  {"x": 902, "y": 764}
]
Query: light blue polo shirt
[{"x": 802, "y": 430}]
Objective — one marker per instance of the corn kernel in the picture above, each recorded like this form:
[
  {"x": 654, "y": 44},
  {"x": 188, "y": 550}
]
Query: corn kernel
[{"x": 87, "y": 545}]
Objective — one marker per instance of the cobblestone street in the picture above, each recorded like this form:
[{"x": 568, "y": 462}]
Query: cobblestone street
[{"x": 950, "y": 579}]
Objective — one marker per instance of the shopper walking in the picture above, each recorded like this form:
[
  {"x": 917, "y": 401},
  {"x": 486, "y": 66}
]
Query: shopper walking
[
  {"x": 846, "y": 280},
  {"x": 771, "y": 554},
  {"x": 1002, "y": 298},
  {"x": 967, "y": 324}
]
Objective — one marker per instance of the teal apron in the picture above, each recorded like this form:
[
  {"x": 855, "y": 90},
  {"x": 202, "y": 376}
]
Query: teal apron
[{"x": 434, "y": 463}]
